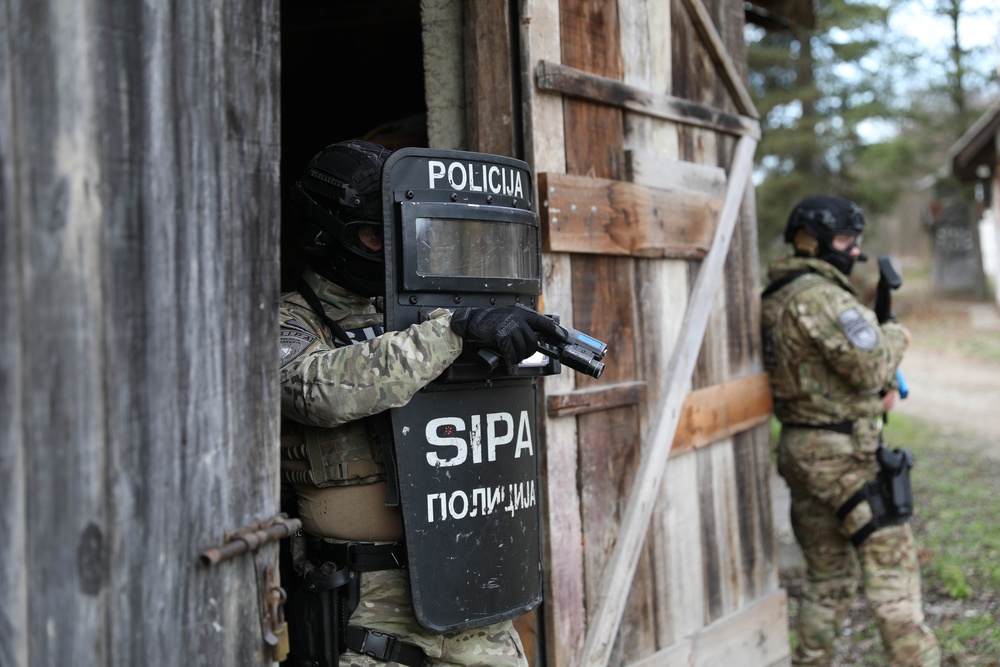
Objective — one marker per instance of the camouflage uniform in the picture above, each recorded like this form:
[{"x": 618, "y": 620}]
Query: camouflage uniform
[
  {"x": 829, "y": 361},
  {"x": 327, "y": 389}
]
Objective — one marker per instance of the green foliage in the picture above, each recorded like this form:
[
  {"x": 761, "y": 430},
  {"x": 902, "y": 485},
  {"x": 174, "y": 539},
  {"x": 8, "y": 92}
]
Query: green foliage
[
  {"x": 957, "y": 513},
  {"x": 881, "y": 162},
  {"x": 813, "y": 90},
  {"x": 818, "y": 90}
]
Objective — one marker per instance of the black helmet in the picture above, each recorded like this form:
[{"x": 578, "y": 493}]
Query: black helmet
[
  {"x": 823, "y": 217},
  {"x": 339, "y": 191}
]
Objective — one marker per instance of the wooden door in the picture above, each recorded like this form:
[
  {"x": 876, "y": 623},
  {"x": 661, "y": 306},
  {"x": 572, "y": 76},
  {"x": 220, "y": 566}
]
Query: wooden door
[
  {"x": 138, "y": 357},
  {"x": 642, "y": 137}
]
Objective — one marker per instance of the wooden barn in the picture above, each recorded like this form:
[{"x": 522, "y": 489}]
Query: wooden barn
[{"x": 145, "y": 153}]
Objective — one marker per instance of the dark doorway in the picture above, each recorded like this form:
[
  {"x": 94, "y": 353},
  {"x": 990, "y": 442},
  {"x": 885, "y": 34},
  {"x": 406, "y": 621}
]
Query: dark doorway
[{"x": 349, "y": 68}]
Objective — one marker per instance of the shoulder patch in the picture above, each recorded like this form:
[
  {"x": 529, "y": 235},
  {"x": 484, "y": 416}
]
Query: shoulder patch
[
  {"x": 293, "y": 343},
  {"x": 858, "y": 330}
]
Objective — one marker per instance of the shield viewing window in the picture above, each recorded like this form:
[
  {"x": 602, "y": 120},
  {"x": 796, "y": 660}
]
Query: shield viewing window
[{"x": 469, "y": 248}]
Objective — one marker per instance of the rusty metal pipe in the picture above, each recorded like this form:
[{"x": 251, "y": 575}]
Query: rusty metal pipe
[{"x": 252, "y": 538}]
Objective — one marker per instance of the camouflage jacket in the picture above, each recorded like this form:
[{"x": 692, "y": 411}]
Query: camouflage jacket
[
  {"x": 326, "y": 385},
  {"x": 829, "y": 360}
]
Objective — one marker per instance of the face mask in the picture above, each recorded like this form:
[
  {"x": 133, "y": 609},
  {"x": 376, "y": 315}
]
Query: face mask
[{"x": 841, "y": 261}]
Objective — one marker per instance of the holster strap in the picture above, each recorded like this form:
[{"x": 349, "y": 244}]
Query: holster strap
[
  {"x": 851, "y": 503},
  {"x": 844, "y": 427},
  {"x": 882, "y": 514},
  {"x": 358, "y": 556},
  {"x": 383, "y": 647}
]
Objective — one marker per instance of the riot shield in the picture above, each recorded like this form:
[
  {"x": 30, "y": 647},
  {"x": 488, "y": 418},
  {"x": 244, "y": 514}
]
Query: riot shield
[{"x": 460, "y": 231}]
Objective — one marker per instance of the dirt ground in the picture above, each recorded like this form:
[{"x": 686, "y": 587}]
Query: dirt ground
[{"x": 948, "y": 388}]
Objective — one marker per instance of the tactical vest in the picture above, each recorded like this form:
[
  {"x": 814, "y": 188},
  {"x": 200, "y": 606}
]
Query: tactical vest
[
  {"x": 776, "y": 299},
  {"x": 343, "y": 456}
]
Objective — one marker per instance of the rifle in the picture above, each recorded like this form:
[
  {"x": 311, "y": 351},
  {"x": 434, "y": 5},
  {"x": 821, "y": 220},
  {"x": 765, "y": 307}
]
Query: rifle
[{"x": 888, "y": 281}]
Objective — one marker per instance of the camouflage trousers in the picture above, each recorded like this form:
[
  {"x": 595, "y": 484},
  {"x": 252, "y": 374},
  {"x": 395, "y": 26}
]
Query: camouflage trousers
[
  {"x": 823, "y": 469},
  {"x": 386, "y": 607}
]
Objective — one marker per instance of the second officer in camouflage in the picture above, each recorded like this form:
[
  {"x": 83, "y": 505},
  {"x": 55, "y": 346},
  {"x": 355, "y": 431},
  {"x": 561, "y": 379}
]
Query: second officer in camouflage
[{"x": 832, "y": 370}]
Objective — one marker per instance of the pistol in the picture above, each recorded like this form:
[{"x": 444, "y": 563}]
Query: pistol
[{"x": 579, "y": 351}]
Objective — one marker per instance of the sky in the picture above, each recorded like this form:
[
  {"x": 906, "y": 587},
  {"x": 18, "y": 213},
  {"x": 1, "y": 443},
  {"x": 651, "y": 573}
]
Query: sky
[
  {"x": 980, "y": 27},
  {"x": 916, "y": 19}
]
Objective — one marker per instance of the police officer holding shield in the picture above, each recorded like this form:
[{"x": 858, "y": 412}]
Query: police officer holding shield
[
  {"x": 832, "y": 368},
  {"x": 369, "y": 509}
]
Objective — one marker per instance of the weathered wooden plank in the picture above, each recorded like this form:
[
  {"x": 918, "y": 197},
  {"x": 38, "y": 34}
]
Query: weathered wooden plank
[
  {"x": 580, "y": 84},
  {"x": 544, "y": 134},
  {"x": 708, "y": 415},
  {"x": 680, "y": 573},
  {"x": 743, "y": 297},
  {"x": 140, "y": 193},
  {"x": 720, "y": 411},
  {"x": 593, "y": 399},
  {"x": 594, "y": 132},
  {"x": 753, "y": 636},
  {"x": 637, "y": 52},
  {"x": 565, "y": 620},
  {"x": 565, "y": 616},
  {"x": 603, "y": 304},
  {"x": 718, "y": 52},
  {"x": 610, "y": 217},
  {"x": 14, "y": 575},
  {"x": 491, "y": 106},
  {"x": 665, "y": 284},
  {"x": 715, "y": 587},
  {"x": 624, "y": 559},
  {"x": 680, "y": 654},
  {"x": 604, "y": 296},
  {"x": 720, "y": 519},
  {"x": 637, "y": 635},
  {"x": 649, "y": 169},
  {"x": 748, "y": 495},
  {"x": 753, "y": 465},
  {"x": 646, "y": 63},
  {"x": 673, "y": 534}
]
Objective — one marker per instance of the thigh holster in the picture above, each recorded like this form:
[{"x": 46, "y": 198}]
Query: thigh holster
[
  {"x": 329, "y": 594},
  {"x": 889, "y": 495}
]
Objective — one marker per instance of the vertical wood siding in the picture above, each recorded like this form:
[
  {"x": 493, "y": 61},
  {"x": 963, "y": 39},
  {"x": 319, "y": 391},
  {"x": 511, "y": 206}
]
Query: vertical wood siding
[
  {"x": 139, "y": 155},
  {"x": 708, "y": 559}
]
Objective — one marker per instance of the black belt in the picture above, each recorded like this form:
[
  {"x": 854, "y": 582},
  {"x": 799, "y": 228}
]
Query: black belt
[
  {"x": 383, "y": 647},
  {"x": 846, "y": 427},
  {"x": 358, "y": 556}
]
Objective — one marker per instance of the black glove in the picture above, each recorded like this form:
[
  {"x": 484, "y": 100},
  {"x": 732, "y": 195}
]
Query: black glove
[{"x": 511, "y": 331}]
